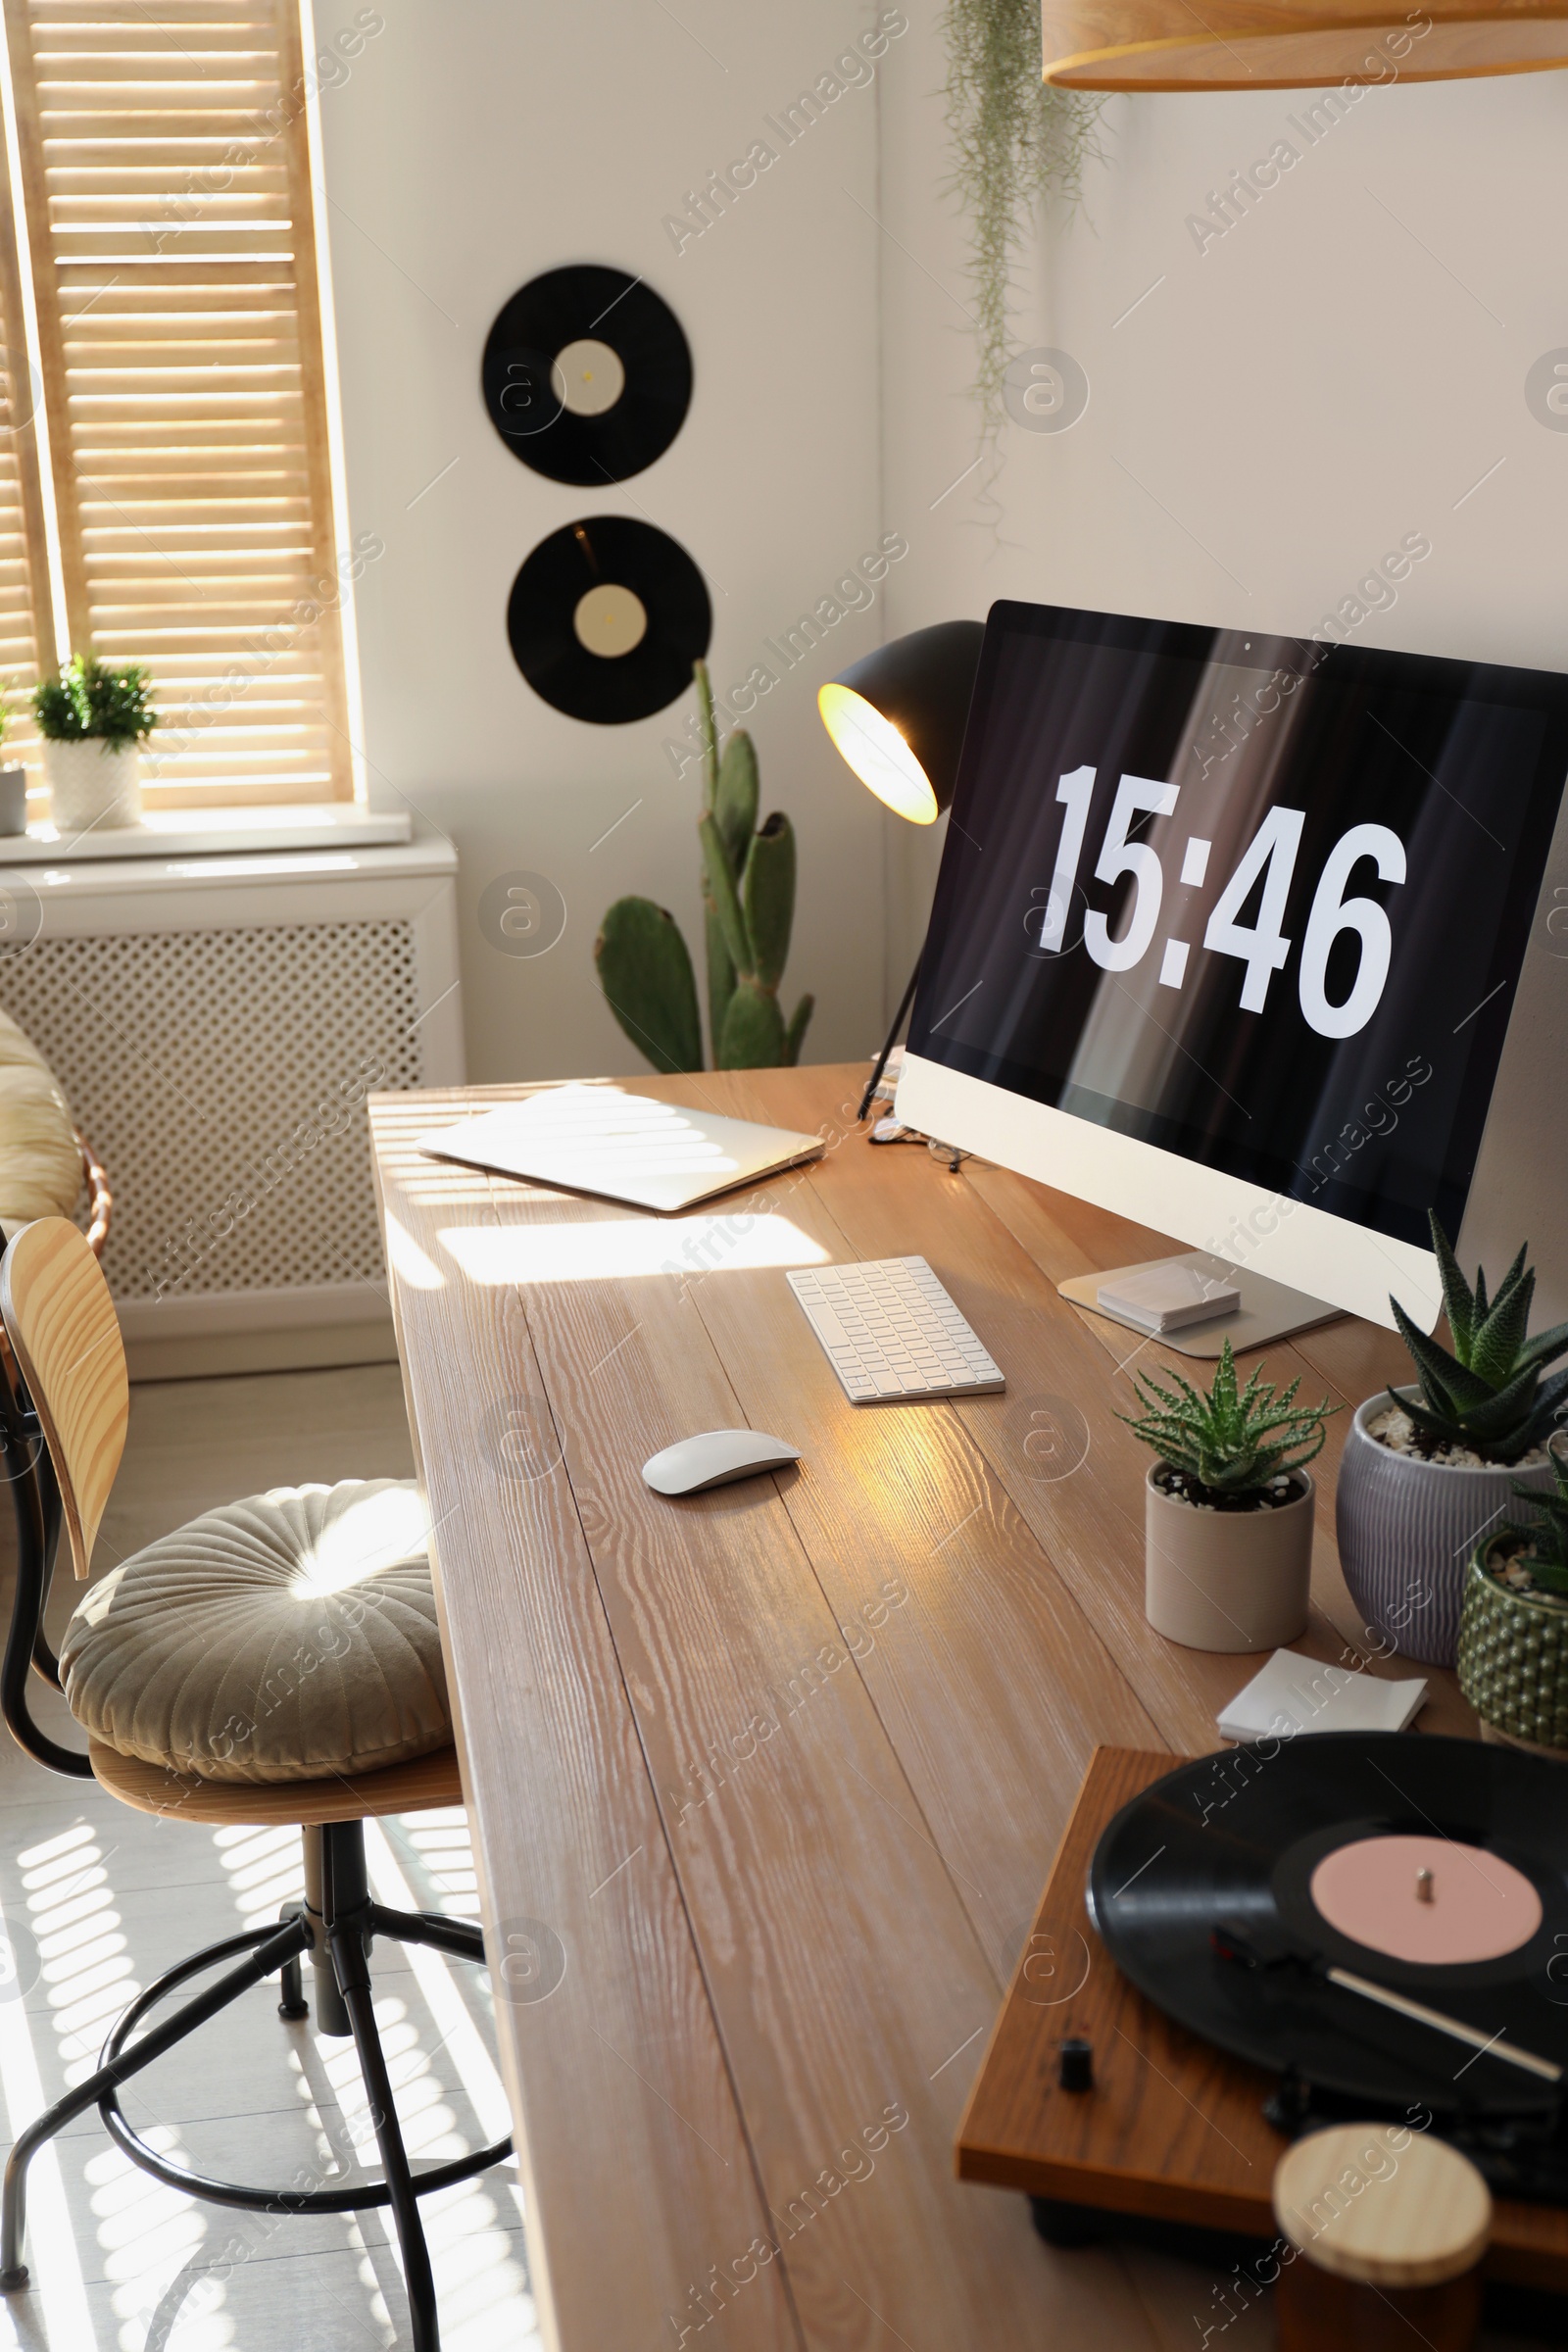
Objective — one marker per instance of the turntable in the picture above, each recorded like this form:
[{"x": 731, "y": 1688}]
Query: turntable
[{"x": 1247, "y": 1945}]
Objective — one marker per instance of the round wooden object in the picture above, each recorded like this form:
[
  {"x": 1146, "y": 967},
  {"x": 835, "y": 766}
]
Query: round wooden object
[{"x": 1382, "y": 2205}]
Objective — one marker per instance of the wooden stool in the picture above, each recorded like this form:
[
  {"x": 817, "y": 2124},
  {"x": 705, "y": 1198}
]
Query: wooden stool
[{"x": 1386, "y": 2229}]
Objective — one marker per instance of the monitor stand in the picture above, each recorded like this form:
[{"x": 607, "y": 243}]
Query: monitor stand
[{"x": 1267, "y": 1310}]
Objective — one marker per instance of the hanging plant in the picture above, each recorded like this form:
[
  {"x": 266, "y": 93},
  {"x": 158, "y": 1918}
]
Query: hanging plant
[{"x": 1015, "y": 142}]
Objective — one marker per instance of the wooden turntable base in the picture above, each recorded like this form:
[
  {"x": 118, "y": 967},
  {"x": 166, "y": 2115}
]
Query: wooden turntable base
[{"x": 1173, "y": 2130}]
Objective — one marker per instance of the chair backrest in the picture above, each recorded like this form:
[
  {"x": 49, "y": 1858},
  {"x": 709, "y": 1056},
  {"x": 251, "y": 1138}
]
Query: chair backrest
[{"x": 60, "y": 1320}]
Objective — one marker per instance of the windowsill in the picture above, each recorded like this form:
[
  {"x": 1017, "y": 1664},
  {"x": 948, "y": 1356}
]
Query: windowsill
[{"x": 210, "y": 832}]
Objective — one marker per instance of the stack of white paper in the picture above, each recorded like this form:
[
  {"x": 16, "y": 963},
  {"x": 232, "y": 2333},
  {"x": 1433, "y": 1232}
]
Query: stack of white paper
[{"x": 1293, "y": 1694}]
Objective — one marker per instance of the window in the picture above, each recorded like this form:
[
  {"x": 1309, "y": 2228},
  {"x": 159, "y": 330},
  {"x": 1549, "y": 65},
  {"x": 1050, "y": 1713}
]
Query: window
[{"x": 174, "y": 503}]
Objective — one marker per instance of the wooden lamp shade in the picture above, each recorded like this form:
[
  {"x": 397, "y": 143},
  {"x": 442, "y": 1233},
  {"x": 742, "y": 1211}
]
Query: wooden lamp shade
[{"x": 1250, "y": 45}]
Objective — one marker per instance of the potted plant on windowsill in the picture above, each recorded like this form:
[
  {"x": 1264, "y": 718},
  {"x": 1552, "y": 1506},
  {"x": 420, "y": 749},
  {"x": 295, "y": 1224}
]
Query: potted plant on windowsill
[
  {"x": 1431, "y": 1468},
  {"x": 1227, "y": 1508},
  {"x": 94, "y": 719},
  {"x": 1513, "y": 1631}
]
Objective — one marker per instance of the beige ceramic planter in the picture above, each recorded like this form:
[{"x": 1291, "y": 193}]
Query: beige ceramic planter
[{"x": 1227, "y": 1580}]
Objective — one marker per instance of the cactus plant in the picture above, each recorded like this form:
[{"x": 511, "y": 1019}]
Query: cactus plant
[
  {"x": 1488, "y": 1394},
  {"x": 748, "y": 885}
]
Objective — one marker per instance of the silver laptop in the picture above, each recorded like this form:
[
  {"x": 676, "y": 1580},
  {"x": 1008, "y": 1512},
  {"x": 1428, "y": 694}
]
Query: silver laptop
[{"x": 600, "y": 1139}]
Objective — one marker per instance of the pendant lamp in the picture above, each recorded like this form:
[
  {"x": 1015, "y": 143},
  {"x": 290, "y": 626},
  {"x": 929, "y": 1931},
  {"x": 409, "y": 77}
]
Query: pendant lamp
[{"x": 1250, "y": 45}]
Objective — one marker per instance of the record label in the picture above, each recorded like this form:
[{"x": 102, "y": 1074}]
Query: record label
[
  {"x": 586, "y": 374},
  {"x": 1428, "y": 1899},
  {"x": 607, "y": 618},
  {"x": 611, "y": 620},
  {"x": 588, "y": 377}
]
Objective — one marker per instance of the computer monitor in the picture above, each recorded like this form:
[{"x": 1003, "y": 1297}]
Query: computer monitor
[{"x": 1262, "y": 943}]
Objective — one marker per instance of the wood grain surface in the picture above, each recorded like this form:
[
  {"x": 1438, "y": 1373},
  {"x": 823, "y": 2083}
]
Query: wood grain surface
[
  {"x": 778, "y": 1770},
  {"x": 60, "y": 1321},
  {"x": 411, "y": 1788}
]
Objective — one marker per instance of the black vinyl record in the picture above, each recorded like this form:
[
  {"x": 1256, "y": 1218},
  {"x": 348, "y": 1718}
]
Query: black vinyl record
[
  {"x": 605, "y": 618},
  {"x": 586, "y": 374},
  {"x": 1237, "y": 1837}
]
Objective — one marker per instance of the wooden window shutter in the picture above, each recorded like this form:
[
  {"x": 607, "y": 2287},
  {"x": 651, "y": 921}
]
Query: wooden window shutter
[
  {"x": 169, "y": 220},
  {"x": 26, "y": 620}
]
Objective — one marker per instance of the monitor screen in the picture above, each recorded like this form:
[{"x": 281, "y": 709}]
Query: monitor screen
[{"x": 1260, "y": 901}]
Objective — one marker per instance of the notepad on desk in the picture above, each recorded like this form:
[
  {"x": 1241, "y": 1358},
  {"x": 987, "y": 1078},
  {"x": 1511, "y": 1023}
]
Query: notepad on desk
[
  {"x": 620, "y": 1147},
  {"x": 1293, "y": 1694}
]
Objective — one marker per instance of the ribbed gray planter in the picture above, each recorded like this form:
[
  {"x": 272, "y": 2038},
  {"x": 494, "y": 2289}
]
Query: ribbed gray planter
[{"x": 1407, "y": 1531}]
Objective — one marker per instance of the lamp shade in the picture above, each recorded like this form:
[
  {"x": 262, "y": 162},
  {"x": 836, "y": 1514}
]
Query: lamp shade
[
  {"x": 1252, "y": 45},
  {"x": 898, "y": 717}
]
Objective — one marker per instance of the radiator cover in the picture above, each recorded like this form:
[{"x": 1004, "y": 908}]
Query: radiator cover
[{"x": 217, "y": 1026}]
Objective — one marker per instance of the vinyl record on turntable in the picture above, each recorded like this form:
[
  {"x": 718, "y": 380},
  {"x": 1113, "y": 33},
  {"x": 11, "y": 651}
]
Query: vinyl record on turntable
[
  {"x": 605, "y": 618},
  {"x": 1298, "y": 1908},
  {"x": 586, "y": 374}
]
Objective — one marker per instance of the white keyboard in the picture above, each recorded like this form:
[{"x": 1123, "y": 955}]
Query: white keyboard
[{"x": 890, "y": 1331}]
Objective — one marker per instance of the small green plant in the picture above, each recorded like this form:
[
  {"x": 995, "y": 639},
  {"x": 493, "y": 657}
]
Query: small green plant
[
  {"x": 1488, "y": 1394},
  {"x": 1231, "y": 1443},
  {"x": 94, "y": 701},
  {"x": 1546, "y": 1538},
  {"x": 748, "y": 882}
]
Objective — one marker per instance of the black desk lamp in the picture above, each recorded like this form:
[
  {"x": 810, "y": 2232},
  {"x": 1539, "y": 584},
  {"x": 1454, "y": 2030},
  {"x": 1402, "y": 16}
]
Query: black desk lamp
[{"x": 898, "y": 718}]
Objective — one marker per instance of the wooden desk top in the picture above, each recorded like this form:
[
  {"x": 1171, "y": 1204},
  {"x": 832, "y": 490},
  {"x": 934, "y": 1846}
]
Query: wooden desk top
[{"x": 765, "y": 1783}]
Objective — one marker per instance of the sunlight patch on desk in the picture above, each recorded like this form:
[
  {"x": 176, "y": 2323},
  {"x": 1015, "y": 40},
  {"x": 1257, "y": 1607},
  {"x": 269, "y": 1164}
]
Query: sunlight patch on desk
[
  {"x": 613, "y": 1249},
  {"x": 409, "y": 1261}
]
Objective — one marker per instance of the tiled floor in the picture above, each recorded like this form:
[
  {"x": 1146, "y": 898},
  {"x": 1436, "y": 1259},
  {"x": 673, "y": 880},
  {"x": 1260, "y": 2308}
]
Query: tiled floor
[{"x": 98, "y": 1899}]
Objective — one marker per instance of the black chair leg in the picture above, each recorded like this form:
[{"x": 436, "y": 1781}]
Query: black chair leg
[
  {"x": 335, "y": 1926},
  {"x": 292, "y": 2003},
  {"x": 272, "y": 1950},
  {"x": 352, "y": 1894},
  {"x": 343, "y": 1859}
]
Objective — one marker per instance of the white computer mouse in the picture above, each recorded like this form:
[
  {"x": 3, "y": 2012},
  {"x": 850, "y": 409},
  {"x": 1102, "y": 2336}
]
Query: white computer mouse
[{"x": 714, "y": 1458}]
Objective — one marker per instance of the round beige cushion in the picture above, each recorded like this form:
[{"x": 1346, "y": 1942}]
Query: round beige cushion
[
  {"x": 285, "y": 1638},
  {"x": 40, "y": 1164}
]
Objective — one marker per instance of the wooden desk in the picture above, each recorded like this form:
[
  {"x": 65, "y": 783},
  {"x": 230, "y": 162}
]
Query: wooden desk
[{"x": 772, "y": 1778}]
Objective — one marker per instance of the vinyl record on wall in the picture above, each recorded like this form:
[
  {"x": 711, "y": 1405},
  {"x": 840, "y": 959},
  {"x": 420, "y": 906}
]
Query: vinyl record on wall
[
  {"x": 605, "y": 618},
  {"x": 587, "y": 375}
]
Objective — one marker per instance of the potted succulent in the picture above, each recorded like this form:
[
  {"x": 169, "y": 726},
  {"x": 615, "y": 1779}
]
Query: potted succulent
[
  {"x": 1431, "y": 1468},
  {"x": 1227, "y": 1508},
  {"x": 1513, "y": 1631},
  {"x": 94, "y": 719}
]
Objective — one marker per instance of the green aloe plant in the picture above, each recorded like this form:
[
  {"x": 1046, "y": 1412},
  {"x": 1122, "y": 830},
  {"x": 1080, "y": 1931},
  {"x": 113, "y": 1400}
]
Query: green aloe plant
[
  {"x": 748, "y": 882},
  {"x": 1232, "y": 1441},
  {"x": 1546, "y": 1535},
  {"x": 1488, "y": 1393}
]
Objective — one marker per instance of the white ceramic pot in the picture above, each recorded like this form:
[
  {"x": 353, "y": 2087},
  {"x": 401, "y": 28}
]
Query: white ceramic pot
[
  {"x": 13, "y": 800},
  {"x": 92, "y": 786},
  {"x": 1227, "y": 1580},
  {"x": 1408, "y": 1530}
]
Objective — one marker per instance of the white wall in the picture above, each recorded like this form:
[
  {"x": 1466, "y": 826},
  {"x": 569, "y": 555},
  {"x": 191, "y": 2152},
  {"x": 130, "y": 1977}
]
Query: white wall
[
  {"x": 475, "y": 144},
  {"x": 1336, "y": 371}
]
